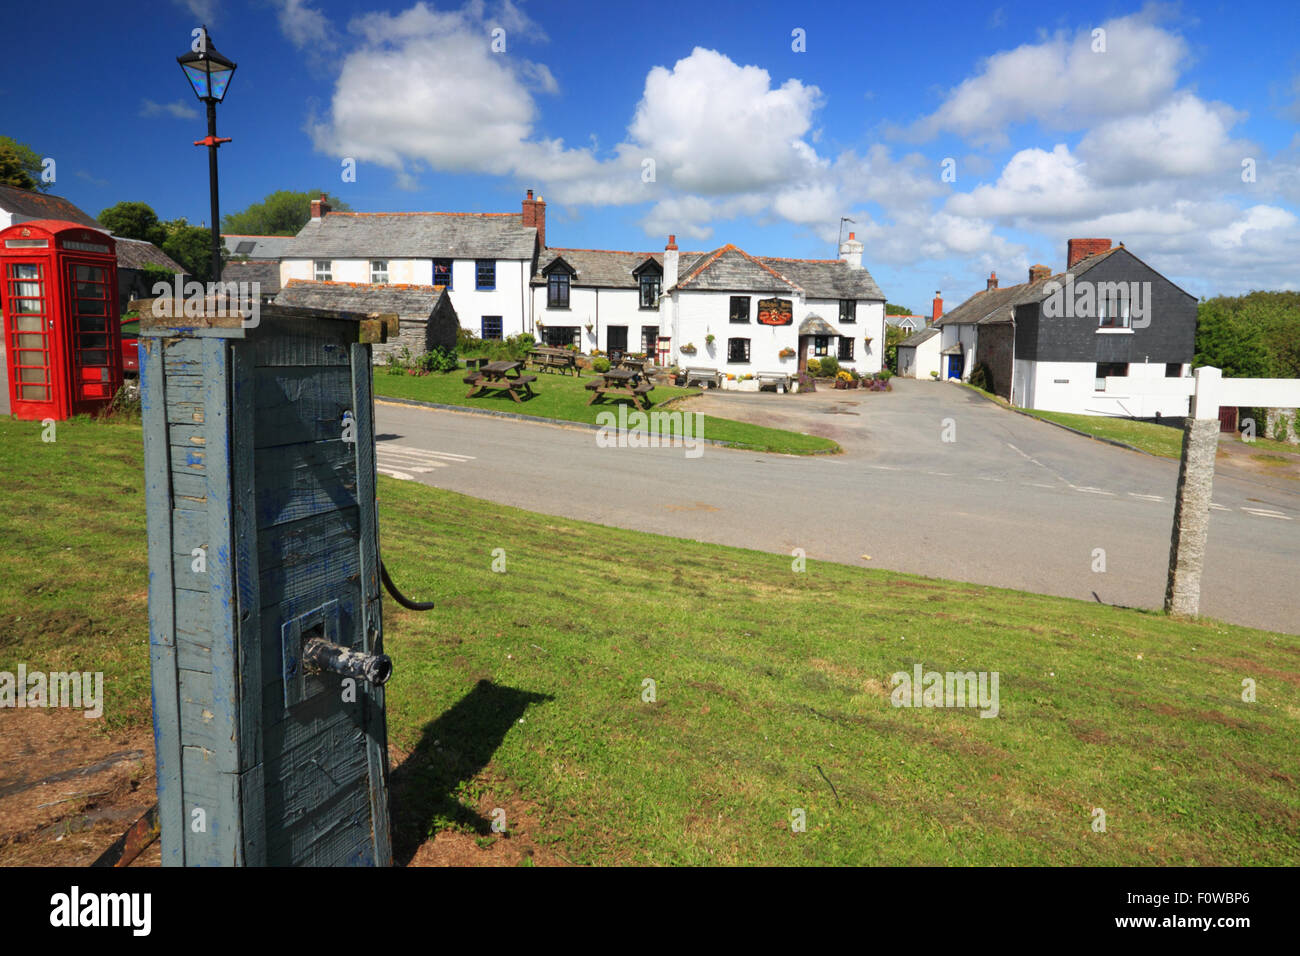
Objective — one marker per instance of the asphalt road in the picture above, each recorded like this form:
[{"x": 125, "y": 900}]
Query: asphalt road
[{"x": 1012, "y": 501}]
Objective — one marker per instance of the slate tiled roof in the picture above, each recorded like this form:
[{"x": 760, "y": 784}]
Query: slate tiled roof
[
  {"x": 136, "y": 254},
  {"x": 729, "y": 269},
  {"x": 414, "y": 235},
  {"x": 266, "y": 274},
  {"x": 25, "y": 206},
  {"x": 606, "y": 268},
  {"x": 816, "y": 325},
  {"x": 412, "y": 300},
  {"x": 827, "y": 278},
  {"x": 990, "y": 307},
  {"x": 257, "y": 247},
  {"x": 920, "y": 337}
]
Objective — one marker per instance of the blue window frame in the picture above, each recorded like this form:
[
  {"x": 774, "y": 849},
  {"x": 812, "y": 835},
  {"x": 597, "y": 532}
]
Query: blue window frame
[
  {"x": 485, "y": 274},
  {"x": 491, "y": 327},
  {"x": 442, "y": 272}
]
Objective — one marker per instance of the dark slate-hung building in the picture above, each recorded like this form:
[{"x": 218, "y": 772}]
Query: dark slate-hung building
[{"x": 1095, "y": 339}]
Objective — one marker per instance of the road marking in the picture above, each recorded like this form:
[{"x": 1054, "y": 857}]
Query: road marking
[
  {"x": 404, "y": 462},
  {"x": 1266, "y": 513},
  {"x": 401, "y": 475},
  {"x": 1217, "y": 507},
  {"x": 941, "y": 474},
  {"x": 884, "y": 468},
  {"x": 986, "y": 478},
  {"x": 1039, "y": 484},
  {"x": 410, "y": 452},
  {"x": 1147, "y": 497},
  {"x": 1092, "y": 491}
]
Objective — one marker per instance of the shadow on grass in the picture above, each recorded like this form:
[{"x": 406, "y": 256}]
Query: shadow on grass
[{"x": 452, "y": 750}]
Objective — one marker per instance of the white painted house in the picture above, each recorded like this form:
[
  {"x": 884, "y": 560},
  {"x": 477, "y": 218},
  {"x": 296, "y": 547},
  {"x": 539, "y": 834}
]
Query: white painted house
[
  {"x": 918, "y": 355},
  {"x": 756, "y": 308},
  {"x": 484, "y": 260}
]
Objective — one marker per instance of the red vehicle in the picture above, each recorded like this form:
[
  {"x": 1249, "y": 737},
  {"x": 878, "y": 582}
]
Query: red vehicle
[
  {"x": 61, "y": 325},
  {"x": 131, "y": 344}
]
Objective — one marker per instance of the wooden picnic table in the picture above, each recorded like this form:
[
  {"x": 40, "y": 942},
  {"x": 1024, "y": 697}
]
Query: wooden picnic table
[
  {"x": 496, "y": 375},
  {"x": 619, "y": 383},
  {"x": 561, "y": 360},
  {"x": 635, "y": 364}
]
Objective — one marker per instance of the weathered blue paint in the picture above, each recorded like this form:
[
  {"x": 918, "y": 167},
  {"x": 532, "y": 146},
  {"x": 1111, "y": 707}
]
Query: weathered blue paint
[{"x": 246, "y": 462}]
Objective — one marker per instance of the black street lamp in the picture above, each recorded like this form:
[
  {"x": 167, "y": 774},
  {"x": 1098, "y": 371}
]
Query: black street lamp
[{"x": 209, "y": 73}]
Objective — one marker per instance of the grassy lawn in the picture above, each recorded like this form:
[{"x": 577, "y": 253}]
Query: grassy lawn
[
  {"x": 564, "y": 397},
  {"x": 772, "y": 687},
  {"x": 1154, "y": 439}
]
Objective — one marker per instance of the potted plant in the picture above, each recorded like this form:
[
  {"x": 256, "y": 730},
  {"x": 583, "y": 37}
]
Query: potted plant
[
  {"x": 934, "y": 376},
  {"x": 709, "y": 339},
  {"x": 688, "y": 348},
  {"x": 786, "y": 353}
]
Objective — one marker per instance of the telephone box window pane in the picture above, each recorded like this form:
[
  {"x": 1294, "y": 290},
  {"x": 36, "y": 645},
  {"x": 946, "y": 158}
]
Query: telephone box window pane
[
  {"x": 93, "y": 341},
  {"x": 24, "y": 270},
  {"x": 91, "y": 308},
  {"x": 31, "y": 367},
  {"x": 29, "y": 340},
  {"x": 93, "y": 357},
  {"x": 34, "y": 393},
  {"x": 28, "y": 306},
  {"x": 29, "y": 323},
  {"x": 92, "y": 323},
  {"x": 93, "y": 273}
]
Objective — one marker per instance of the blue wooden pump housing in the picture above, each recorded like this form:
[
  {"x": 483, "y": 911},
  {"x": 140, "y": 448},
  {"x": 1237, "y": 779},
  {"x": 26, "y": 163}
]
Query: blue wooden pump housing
[{"x": 263, "y": 556}]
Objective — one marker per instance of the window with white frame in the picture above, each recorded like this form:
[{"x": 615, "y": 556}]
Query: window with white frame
[
  {"x": 323, "y": 271},
  {"x": 379, "y": 271},
  {"x": 1112, "y": 307},
  {"x": 737, "y": 350}
]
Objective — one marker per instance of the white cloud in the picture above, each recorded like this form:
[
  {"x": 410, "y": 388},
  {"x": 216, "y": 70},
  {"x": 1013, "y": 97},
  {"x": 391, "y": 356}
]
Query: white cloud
[
  {"x": 204, "y": 11},
  {"x": 303, "y": 26},
  {"x": 178, "y": 109},
  {"x": 1062, "y": 83}
]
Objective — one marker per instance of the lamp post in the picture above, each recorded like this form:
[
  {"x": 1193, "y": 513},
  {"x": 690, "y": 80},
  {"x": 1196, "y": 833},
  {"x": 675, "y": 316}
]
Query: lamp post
[{"x": 209, "y": 74}]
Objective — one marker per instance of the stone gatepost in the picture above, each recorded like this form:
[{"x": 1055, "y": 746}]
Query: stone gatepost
[{"x": 1192, "y": 508}]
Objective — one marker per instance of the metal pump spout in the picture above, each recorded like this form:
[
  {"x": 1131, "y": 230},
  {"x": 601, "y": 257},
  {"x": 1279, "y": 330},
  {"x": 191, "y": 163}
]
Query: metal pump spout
[{"x": 323, "y": 655}]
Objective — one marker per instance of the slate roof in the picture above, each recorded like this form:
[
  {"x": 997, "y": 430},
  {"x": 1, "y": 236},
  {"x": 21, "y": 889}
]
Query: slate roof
[
  {"x": 827, "y": 278},
  {"x": 920, "y": 337},
  {"x": 136, "y": 254},
  {"x": 414, "y": 235},
  {"x": 265, "y": 273},
  {"x": 816, "y": 325},
  {"x": 729, "y": 269},
  {"x": 606, "y": 268},
  {"x": 25, "y": 206},
  {"x": 993, "y": 306},
  {"x": 413, "y": 300},
  {"x": 257, "y": 247}
]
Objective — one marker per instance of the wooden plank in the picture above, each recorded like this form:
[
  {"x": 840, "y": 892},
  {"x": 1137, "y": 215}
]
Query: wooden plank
[
  {"x": 301, "y": 404},
  {"x": 295, "y": 481},
  {"x": 223, "y": 604},
  {"x": 307, "y": 345},
  {"x": 372, "y": 621},
  {"x": 217, "y": 843},
  {"x": 248, "y": 587},
  {"x": 169, "y": 764},
  {"x": 301, "y": 540},
  {"x": 251, "y": 787},
  {"x": 199, "y": 724}
]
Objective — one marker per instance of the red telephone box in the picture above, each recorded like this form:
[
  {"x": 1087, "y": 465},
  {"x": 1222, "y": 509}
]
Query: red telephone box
[{"x": 58, "y": 288}]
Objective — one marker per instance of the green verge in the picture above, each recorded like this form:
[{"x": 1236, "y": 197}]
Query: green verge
[
  {"x": 1153, "y": 439},
  {"x": 769, "y": 684},
  {"x": 565, "y": 398}
]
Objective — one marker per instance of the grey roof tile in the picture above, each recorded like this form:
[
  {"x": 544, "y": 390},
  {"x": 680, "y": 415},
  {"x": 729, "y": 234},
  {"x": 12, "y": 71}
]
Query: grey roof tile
[
  {"x": 410, "y": 300},
  {"x": 414, "y": 235}
]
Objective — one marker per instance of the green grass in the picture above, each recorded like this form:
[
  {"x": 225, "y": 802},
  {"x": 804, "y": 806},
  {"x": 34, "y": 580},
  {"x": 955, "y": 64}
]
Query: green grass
[
  {"x": 1153, "y": 439},
  {"x": 564, "y": 397},
  {"x": 529, "y": 684}
]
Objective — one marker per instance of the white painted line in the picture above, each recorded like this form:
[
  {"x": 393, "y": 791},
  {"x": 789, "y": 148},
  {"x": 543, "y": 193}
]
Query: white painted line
[
  {"x": 407, "y": 462},
  {"x": 1266, "y": 513},
  {"x": 941, "y": 474},
  {"x": 422, "y": 452},
  {"x": 884, "y": 468},
  {"x": 1038, "y": 484},
  {"x": 1146, "y": 497},
  {"x": 1093, "y": 491},
  {"x": 1217, "y": 507},
  {"x": 986, "y": 478},
  {"x": 395, "y": 474}
]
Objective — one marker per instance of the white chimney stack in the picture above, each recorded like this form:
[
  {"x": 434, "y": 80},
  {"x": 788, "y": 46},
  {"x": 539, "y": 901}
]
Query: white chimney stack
[
  {"x": 670, "y": 263},
  {"x": 851, "y": 252}
]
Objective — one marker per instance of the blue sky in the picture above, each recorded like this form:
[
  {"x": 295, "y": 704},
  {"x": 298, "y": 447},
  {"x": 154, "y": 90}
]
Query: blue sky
[{"x": 1138, "y": 134}]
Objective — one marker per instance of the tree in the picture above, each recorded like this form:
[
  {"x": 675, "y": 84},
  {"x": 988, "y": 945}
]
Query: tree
[
  {"x": 891, "y": 309},
  {"x": 20, "y": 166},
  {"x": 893, "y": 336},
  {"x": 191, "y": 247},
  {"x": 281, "y": 213},
  {"x": 134, "y": 220},
  {"x": 1227, "y": 342},
  {"x": 1275, "y": 316}
]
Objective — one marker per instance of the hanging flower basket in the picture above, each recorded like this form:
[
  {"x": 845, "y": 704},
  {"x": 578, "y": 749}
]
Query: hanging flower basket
[
  {"x": 786, "y": 353},
  {"x": 687, "y": 350}
]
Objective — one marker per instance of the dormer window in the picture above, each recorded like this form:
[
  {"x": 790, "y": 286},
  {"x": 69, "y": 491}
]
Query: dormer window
[
  {"x": 650, "y": 290},
  {"x": 557, "y": 290}
]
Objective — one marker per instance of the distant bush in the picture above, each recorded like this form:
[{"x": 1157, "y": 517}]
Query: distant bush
[
  {"x": 884, "y": 375},
  {"x": 438, "y": 359},
  {"x": 814, "y": 368},
  {"x": 982, "y": 377},
  {"x": 830, "y": 367},
  {"x": 600, "y": 364}
]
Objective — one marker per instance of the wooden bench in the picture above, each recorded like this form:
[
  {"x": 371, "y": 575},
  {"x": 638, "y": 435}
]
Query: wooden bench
[{"x": 473, "y": 363}]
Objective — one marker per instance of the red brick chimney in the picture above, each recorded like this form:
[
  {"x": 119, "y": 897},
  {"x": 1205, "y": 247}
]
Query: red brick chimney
[
  {"x": 672, "y": 242},
  {"x": 319, "y": 207},
  {"x": 936, "y": 308},
  {"x": 535, "y": 215},
  {"x": 1077, "y": 249},
  {"x": 993, "y": 282},
  {"x": 1038, "y": 273}
]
